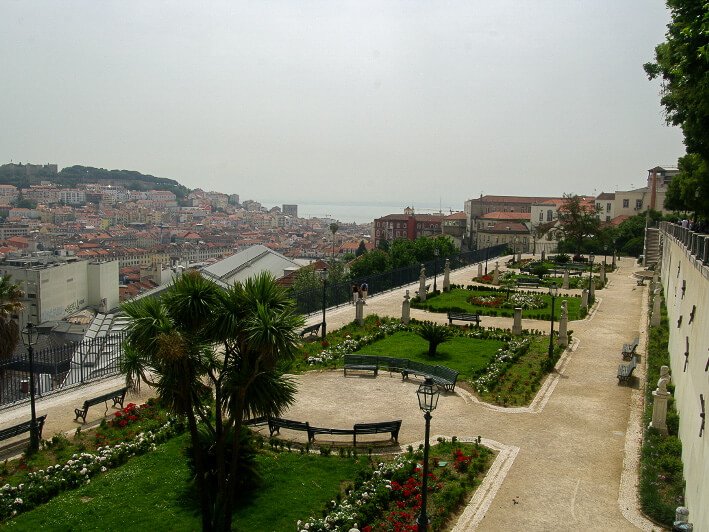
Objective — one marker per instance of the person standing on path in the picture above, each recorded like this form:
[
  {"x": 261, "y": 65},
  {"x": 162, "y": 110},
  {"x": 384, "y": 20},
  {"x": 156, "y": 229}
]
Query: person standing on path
[{"x": 364, "y": 288}]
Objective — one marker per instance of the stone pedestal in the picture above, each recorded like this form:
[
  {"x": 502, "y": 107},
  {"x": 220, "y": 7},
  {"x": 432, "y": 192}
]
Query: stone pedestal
[
  {"x": 584, "y": 298},
  {"x": 406, "y": 309},
  {"x": 519, "y": 256},
  {"x": 447, "y": 276},
  {"x": 480, "y": 269},
  {"x": 656, "y": 316},
  {"x": 422, "y": 284},
  {"x": 659, "y": 401},
  {"x": 517, "y": 324},
  {"x": 563, "y": 324},
  {"x": 496, "y": 274},
  {"x": 565, "y": 282},
  {"x": 603, "y": 274},
  {"x": 359, "y": 311},
  {"x": 592, "y": 292},
  {"x": 544, "y": 256}
]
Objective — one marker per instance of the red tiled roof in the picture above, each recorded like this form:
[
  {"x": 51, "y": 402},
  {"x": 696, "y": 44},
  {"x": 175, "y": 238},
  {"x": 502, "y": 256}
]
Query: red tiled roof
[{"x": 500, "y": 215}]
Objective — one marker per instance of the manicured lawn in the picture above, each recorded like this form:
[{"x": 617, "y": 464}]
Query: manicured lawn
[
  {"x": 457, "y": 300},
  {"x": 152, "y": 492},
  {"x": 465, "y": 355}
]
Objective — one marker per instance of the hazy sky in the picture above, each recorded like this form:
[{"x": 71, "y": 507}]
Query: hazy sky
[{"x": 340, "y": 101}]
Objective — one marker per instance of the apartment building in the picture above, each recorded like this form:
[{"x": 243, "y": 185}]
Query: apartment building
[{"x": 407, "y": 225}]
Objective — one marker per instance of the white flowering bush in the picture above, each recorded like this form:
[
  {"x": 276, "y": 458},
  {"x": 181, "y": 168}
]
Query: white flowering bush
[
  {"x": 525, "y": 301},
  {"x": 502, "y": 360},
  {"x": 42, "y": 485}
]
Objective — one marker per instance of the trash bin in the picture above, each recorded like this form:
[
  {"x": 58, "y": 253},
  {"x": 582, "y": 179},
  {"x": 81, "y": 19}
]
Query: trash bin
[{"x": 25, "y": 386}]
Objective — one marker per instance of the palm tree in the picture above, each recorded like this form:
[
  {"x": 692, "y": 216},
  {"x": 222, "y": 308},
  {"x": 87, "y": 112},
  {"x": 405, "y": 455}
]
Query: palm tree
[
  {"x": 10, "y": 305},
  {"x": 333, "y": 229},
  {"x": 434, "y": 334},
  {"x": 172, "y": 345}
]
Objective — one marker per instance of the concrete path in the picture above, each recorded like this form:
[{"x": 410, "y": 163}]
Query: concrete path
[{"x": 561, "y": 461}]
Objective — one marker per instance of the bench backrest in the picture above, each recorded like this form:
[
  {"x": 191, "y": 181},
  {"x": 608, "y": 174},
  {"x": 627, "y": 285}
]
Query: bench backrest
[
  {"x": 288, "y": 424},
  {"x": 21, "y": 428},
  {"x": 374, "y": 428},
  {"x": 464, "y": 315},
  {"x": 445, "y": 373},
  {"x": 104, "y": 397},
  {"x": 361, "y": 360}
]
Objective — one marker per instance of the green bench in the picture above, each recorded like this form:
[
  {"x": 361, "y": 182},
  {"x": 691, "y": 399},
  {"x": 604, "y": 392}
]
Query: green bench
[
  {"x": 117, "y": 396},
  {"x": 464, "y": 316},
  {"x": 625, "y": 371},
  {"x": 21, "y": 428},
  {"x": 361, "y": 363}
]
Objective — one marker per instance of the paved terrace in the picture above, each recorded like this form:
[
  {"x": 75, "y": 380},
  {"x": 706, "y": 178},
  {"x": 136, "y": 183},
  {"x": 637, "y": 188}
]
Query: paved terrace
[{"x": 566, "y": 462}]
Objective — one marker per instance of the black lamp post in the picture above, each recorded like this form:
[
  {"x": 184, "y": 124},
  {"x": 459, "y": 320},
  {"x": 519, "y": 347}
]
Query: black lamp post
[
  {"x": 428, "y": 400},
  {"x": 487, "y": 253},
  {"x": 29, "y": 339},
  {"x": 591, "y": 258},
  {"x": 435, "y": 268},
  {"x": 323, "y": 276},
  {"x": 553, "y": 292}
]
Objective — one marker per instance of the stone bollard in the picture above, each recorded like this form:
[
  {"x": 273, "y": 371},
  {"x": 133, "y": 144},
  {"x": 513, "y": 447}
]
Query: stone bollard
[
  {"x": 603, "y": 274},
  {"x": 496, "y": 274},
  {"x": 659, "y": 402},
  {"x": 422, "y": 284},
  {"x": 563, "y": 323},
  {"x": 544, "y": 256},
  {"x": 447, "y": 276},
  {"x": 656, "y": 316},
  {"x": 406, "y": 309},
  {"x": 359, "y": 311},
  {"x": 519, "y": 256},
  {"x": 480, "y": 269},
  {"x": 584, "y": 298},
  {"x": 565, "y": 282},
  {"x": 517, "y": 324}
]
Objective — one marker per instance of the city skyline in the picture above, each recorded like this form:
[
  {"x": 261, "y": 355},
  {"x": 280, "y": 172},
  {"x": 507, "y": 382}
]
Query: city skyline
[{"x": 401, "y": 102}]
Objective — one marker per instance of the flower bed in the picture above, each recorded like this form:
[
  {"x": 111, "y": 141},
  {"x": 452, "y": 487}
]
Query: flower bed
[
  {"x": 390, "y": 499},
  {"x": 504, "y": 358},
  {"x": 42, "y": 485}
]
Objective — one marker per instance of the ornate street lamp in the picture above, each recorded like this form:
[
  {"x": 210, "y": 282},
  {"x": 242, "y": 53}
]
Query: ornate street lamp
[
  {"x": 591, "y": 258},
  {"x": 29, "y": 339},
  {"x": 553, "y": 292},
  {"x": 428, "y": 394},
  {"x": 435, "y": 267},
  {"x": 323, "y": 276},
  {"x": 487, "y": 252}
]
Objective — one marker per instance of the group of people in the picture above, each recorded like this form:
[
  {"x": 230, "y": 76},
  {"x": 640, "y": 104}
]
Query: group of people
[{"x": 359, "y": 292}]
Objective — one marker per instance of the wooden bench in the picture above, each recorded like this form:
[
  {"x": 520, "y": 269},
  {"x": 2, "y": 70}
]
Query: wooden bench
[
  {"x": 275, "y": 424},
  {"x": 441, "y": 375},
  {"x": 625, "y": 371},
  {"x": 463, "y": 316},
  {"x": 311, "y": 329},
  {"x": 25, "y": 426},
  {"x": 528, "y": 283},
  {"x": 629, "y": 349},
  {"x": 392, "y": 427},
  {"x": 361, "y": 363},
  {"x": 116, "y": 396}
]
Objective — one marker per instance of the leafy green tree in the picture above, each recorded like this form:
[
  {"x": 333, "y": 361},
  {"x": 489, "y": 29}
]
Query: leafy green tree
[
  {"x": 10, "y": 304},
  {"x": 578, "y": 221},
  {"x": 237, "y": 340},
  {"x": 681, "y": 63},
  {"x": 376, "y": 261},
  {"x": 361, "y": 249},
  {"x": 434, "y": 334}
]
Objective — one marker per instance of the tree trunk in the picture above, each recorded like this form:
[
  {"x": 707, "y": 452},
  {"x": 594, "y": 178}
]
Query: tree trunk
[
  {"x": 205, "y": 503},
  {"x": 432, "y": 349}
]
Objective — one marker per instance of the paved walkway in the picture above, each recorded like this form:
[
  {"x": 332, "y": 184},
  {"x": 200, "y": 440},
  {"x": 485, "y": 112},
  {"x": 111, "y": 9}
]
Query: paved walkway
[{"x": 561, "y": 461}]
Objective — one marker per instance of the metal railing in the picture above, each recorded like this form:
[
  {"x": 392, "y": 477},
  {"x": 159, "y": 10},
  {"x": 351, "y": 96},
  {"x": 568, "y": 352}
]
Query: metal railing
[
  {"x": 309, "y": 301},
  {"x": 59, "y": 368},
  {"x": 696, "y": 243}
]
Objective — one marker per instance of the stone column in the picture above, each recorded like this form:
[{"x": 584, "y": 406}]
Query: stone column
[
  {"x": 480, "y": 269},
  {"x": 447, "y": 276},
  {"x": 422, "y": 284},
  {"x": 565, "y": 283},
  {"x": 592, "y": 291},
  {"x": 563, "y": 323},
  {"x": 517, "y": 324},
  {"x": 603, "y": 274},
  {"x": 584, "y": 298},
  {"x": 656, "y": 316},
  {"x": 359, "y": 311},
  {"x": 496, "y": 274},
  {"x": 406, "y": 309},
  {"x": 659, "y": 401}
]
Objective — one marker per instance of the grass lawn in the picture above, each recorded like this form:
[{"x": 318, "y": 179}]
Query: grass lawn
[
  {"x": 152, "y": 492},
  {"x": 465, "y": 355},
  {"x": 457, "y": 300}
]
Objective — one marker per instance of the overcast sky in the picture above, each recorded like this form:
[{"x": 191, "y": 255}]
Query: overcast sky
[{"x": 340, "y": 101}]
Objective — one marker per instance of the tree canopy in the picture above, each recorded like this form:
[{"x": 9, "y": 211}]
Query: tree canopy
[
  {"x": 681, "y": 63},
  {"x": 578, "y": 222}
]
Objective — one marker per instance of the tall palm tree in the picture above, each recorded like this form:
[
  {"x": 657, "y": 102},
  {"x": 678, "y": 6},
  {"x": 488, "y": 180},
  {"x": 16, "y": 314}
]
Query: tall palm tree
[{"x": 10, "y": 304}]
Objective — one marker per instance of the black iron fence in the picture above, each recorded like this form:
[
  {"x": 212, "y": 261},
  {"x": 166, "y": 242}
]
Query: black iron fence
[
  {"x": 309, "y": 301},
  {"x": 60, "y": 367}
]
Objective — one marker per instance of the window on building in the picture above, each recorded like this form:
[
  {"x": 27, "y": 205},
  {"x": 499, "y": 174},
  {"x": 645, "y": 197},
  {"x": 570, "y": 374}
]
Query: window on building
[
  {"x": 626, "y": 203},
  {"x": 550, "y": 215},
  {"x": 608, "y": 218},
  {"x": 608, "y": 207},
  {"x": 541, "y": 216},
  {"x": 638, "y": 204},
  {"x": 598, "y": 207}
]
